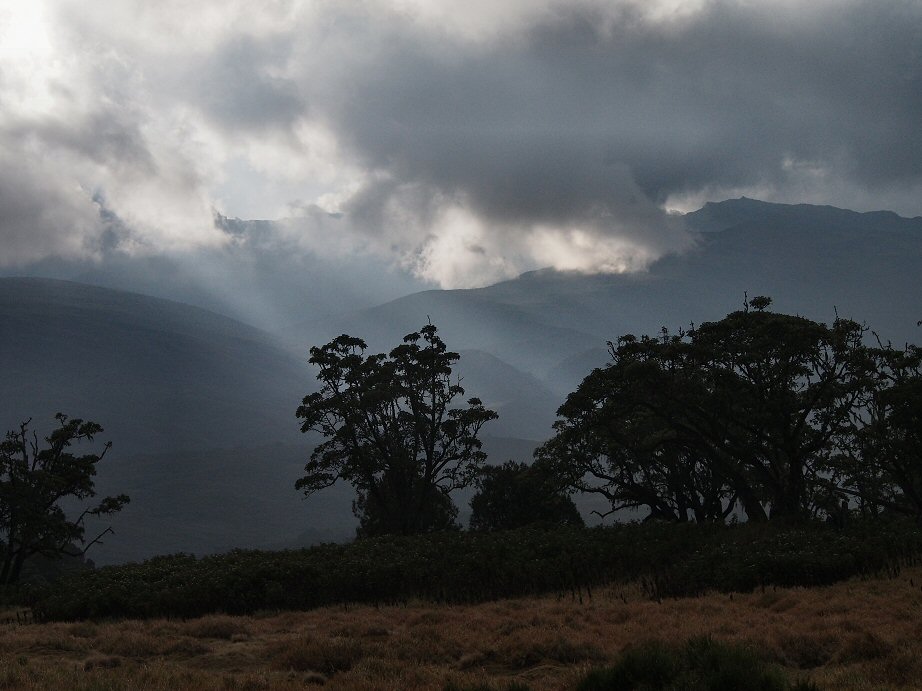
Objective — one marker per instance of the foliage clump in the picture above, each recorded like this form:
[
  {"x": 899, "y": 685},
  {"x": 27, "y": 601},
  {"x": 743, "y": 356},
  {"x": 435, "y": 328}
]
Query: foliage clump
[
  {"x": 701, "y": 664},
  {"x": 392, "y": 431},
  {"x": 669, "y": 560},
  {"x": 515, "y": 495},
  {"x": 760, "y": 414}
]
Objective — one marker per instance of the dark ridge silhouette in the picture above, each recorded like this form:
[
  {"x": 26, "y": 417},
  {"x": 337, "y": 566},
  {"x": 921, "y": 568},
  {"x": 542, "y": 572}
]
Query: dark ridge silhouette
[{"x": 812, "y": 260}]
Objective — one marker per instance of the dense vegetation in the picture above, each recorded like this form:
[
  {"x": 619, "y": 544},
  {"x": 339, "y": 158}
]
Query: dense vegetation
[
  {"x": 761, "y": 415},
  {"x": 670, "y": 560},
  {"x": 772, "y": 415},
  {"x": 806, "y": 430}
]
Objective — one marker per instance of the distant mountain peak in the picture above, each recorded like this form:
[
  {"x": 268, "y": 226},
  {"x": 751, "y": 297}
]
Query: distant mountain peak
[{"x": 744, "y": 211}]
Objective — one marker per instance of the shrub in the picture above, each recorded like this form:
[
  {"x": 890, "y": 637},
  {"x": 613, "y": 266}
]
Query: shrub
[
  {"x": 309, "y": 654},
  {"x": 702, "y": 664}
]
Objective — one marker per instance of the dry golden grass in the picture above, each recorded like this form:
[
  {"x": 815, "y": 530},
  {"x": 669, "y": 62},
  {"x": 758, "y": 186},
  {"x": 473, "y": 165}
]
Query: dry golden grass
[{"x": 859, "y": 635}]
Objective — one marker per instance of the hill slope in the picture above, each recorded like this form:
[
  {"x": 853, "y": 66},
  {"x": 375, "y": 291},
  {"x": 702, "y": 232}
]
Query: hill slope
[
  {"x": 158, "y": 375},
  {"x": 200, "y": 409}
]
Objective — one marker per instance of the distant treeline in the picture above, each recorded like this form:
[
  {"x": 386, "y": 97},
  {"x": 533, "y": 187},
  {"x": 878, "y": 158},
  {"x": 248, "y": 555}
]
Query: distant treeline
[{"x": 669, "y": 560}]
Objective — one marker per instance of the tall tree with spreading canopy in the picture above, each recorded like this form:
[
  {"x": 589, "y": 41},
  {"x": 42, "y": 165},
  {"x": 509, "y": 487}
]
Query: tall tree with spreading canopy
[
  {"x": 391, "y": 431},
  {"x": 34, "y": 480},
  {"x": 788, "y": 388},
  {"x": 622, "y": 435},
  {"x": 747, "y": 409}
]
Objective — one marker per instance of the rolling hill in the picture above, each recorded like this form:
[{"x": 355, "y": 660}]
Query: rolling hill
[
  {"x": 158, "y": 375},
  {"x": 199, "y": 407}
]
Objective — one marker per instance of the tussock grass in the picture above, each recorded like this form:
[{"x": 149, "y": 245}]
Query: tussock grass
[
  {"x": 217, "y": 626},
  {"x": 862, "y": 635}
]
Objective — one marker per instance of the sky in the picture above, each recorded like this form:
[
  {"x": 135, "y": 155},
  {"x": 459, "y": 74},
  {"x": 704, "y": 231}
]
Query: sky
[{"x": 458, "y": 143}]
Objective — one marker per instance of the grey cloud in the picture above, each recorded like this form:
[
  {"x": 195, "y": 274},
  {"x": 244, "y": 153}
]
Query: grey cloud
[
  {"x": 106, "y": 136},
  {"x": 235, "y": 85},
  {"x": 534, "y": 126},
  {"x": 586, "y": 116},
  {"x": 37, "y": 218}
]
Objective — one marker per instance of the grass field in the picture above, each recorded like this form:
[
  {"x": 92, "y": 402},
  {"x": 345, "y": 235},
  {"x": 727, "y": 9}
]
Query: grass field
[{"x": 859, "y": 634}]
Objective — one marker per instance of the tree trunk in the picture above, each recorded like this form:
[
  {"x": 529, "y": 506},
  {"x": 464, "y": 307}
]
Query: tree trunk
[
  {"x": 788, "y": 499},
  {"x": 755, "y": 512},
  {"x": 17, "y": 566},
  {"x": 8, "y": 557}
]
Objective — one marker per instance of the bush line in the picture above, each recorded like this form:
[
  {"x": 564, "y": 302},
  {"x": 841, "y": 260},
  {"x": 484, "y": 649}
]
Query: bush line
[{"x": 669, "y": 560}]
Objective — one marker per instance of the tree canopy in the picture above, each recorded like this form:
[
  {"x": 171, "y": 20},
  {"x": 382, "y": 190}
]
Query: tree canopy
[
  {"x": 881, "y": 465},
  {"x": 515, "y": 495},
  {"x": 391, "y": 430},
  {"x": 743, "y": 411}
]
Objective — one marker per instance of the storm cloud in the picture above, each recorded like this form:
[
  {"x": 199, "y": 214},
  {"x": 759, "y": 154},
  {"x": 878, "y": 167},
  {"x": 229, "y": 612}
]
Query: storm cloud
[{"x": 465, "y": 143}]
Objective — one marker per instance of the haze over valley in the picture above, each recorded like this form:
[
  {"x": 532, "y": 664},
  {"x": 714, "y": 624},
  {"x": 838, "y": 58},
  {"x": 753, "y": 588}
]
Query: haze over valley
[
  {"x": 200, "y": 406},
  {"x": 193, "y": 195}
]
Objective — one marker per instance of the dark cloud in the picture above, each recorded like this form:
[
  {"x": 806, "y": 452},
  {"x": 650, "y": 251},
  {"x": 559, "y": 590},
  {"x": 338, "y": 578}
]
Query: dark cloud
[
  {"x": 561, "y": 130},
  {"x": 34, "y": 210},
  {"x": 537, "y": 124}
]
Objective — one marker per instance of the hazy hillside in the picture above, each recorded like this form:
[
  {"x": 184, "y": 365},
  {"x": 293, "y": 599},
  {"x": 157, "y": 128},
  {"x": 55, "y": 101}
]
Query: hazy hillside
[
  {"x": 158, "y": 375},
  {"x": 812, "y": 260},
  {"x": 467, "y": 320},
  {"x": 201, "y": 412},
  {"x": 216, "y": 499},
  {"x": 197, "y": 406},
  {"x": 261, "y": 276},
  {"x": 525, "y": 405}
]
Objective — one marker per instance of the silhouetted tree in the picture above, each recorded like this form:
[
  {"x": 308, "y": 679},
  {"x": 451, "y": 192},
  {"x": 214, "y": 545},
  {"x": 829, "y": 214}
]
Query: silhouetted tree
[
  {"x": 514, "y": 495},
  {"x": 745, "y": 409},
  {"x": 34, "y": 480},
  {"x": 391, "y": 431},
  {"x": 377, "y": 517},
  {"x": 883, "y": 464},
  {"x": 610, "y": 440},
  {"x": 787, "y": 387}
]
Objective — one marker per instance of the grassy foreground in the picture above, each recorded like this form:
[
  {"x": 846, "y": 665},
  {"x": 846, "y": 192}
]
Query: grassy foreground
[{"x": 857, "y": 634}]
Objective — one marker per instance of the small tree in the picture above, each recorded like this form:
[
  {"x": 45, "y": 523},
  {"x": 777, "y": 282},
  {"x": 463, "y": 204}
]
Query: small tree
[
  {"x": 514, "y": 495},
  {"x": 391, "y": 431},
  {"x": 34, "y": 480},
  {"x": 376, "y": 516}
]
